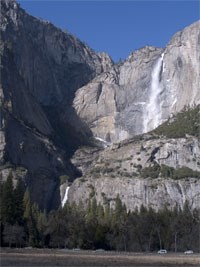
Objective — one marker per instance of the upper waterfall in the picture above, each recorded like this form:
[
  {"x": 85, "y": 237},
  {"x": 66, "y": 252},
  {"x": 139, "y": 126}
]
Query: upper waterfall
[{"x": 152, "y": 113}]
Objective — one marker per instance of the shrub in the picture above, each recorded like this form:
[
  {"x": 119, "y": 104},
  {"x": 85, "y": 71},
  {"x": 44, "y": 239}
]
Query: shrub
[
  {"x": 151, "y": 171},
  {"x": 185, "y": 172},
  {"x": 63, "y": 179},
  {"x": 168, "y": 172},
  {"x": 185, "y": 122}
]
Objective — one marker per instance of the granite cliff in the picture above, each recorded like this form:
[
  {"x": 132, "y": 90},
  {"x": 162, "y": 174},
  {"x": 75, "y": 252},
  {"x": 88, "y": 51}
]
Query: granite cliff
[
  {"x": 56, "y": 94},
  {"x": 139, "y": 94},
  {"x": 41, "y": 68},
  {"x": 152, "y": 171}
]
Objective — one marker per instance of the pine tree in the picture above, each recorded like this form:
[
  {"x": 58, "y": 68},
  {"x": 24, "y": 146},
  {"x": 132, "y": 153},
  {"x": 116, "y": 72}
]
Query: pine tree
[
  {"x": 1, "y": 216},
  {"x": 42, "y": 224},
  {"x": 27, "y": 205},
  {"x": 8, "y": 203},
  {"x": 30, "y": 214},
  {"x": 19, "y": 203}
]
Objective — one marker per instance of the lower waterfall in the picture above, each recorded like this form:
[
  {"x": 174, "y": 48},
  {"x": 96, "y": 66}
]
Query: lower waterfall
[
  {"x": 152, "y": 113},
  {"x": 65, "y": 196}
]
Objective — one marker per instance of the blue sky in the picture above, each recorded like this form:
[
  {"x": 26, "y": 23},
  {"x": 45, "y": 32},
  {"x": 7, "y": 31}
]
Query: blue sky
[{"x": 117, "y": 27}]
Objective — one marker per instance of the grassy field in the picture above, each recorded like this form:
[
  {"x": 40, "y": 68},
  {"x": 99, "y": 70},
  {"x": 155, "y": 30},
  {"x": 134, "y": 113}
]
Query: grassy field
[{"x": 48, "y": 257}]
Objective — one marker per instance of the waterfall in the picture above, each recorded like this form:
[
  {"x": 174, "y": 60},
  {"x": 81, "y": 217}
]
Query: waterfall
[
  {"x": 65, "y": 196},
  {"x": 152, "y": 113},
  {"x": 102, "y": 142}
]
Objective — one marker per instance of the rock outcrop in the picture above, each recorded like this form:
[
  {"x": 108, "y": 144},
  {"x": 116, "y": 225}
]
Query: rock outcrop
[
  {"x": 139, "y": 94},
  {"x": 135, "y": 192},
  {"x": 120, "y": 170}
]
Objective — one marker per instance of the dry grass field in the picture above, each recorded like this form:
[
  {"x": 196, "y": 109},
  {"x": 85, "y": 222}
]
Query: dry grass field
[{"x": 48, "y": 257}]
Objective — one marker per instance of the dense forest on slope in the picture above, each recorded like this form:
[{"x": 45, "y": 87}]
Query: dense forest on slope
[
  {"x": 185, "y": 122},
  {"x": 94, "y": 227}
]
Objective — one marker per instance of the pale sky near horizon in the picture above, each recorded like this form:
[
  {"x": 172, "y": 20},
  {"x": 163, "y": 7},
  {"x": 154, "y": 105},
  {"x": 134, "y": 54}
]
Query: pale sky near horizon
[{"x": 117, "y": 27}]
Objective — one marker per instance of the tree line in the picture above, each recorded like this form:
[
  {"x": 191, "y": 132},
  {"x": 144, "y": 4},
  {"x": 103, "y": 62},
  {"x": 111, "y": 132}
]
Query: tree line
[{"x": 95, "y": 226}]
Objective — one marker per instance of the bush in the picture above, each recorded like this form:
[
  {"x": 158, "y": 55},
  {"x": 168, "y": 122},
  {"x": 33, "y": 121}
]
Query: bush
[
  {"x": 151, "y": 171},
  {"x": 185, "y": 172},
  {"x": 166, "y": 171},
  {"x": 63, "y": 179}
]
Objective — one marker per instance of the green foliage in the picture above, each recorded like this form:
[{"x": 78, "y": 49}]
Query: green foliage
[
  {"x": 31, "y": 213},
  {"x": 95, "y": 226},
  {"x": 165, "y": 171},
  {"x": 185, "y": 172},
  {"x": 63, "y": 179},
  {"x": 14, "y": 235},
  {"x": 151, "y": 171},
  {"x": 8, "y": 201},
  {"x": 103, "y": 170},
  {"x": 19, "y": 202},
  {"x": 185, "y": 122}
]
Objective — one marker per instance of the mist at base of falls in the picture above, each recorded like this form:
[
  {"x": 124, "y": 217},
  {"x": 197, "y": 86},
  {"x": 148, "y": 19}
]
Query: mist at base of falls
[{"x": 152, "y": 113}]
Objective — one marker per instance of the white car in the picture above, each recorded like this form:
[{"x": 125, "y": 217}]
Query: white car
[
  {"x": 162, "y": 251},
  {"x": 188, "y": 252}
]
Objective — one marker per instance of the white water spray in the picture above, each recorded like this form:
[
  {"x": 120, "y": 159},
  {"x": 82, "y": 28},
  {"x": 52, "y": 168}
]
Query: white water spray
[
  {"x": 65, "y": 197},
  {"x": 103, "y": 142},
  {"x": 152, "y": 113}
]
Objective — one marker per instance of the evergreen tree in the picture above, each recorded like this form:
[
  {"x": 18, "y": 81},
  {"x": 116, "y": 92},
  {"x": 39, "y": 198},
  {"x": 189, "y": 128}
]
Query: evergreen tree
[
  {"x": 57, "y": 229},
  {"x": 42, "y": 224},
  {"x": 19, "y": 203},
  {"x": 186, "y": 226},
  {"x": 1, "y": 215},
  {"x": 30, "y": 214},
  {"x": 119, "y": 227},
  {"x": 8, "y": 203}
]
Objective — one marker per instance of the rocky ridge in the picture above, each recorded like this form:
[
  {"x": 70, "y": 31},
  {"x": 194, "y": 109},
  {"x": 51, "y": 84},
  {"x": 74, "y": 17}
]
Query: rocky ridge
[{"x": 129, "y": 169}]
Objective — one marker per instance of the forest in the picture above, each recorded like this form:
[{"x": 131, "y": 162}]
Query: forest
[{"x": 94, "y": 226}]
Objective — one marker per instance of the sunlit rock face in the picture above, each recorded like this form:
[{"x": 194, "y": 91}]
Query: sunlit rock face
[
  {"x": 139, "y": 94},
  {"x": 117, "y": 171},
  {"x": 113, "y": 103},
  {"x": 180, "y": 75},
  {"x": 136, "y": 192}
]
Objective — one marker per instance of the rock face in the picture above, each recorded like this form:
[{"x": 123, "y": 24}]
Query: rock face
[
  {"x": 56, "y": 93},
  {"x": 139, "y": 94},
  {"x": 41, "y": 68},
  {"x": 136, "y": 192},
  {"x": 118, "y": 171},
  {"x": 112, "y": 104}
]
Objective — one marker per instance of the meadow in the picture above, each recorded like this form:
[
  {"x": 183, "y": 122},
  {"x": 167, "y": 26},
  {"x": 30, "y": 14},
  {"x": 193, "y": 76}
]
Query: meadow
[{"x": 75, "y": 258}]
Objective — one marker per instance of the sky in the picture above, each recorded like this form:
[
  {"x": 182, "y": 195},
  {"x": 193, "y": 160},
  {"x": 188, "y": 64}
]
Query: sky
[{"x": 117, "y": 27}]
